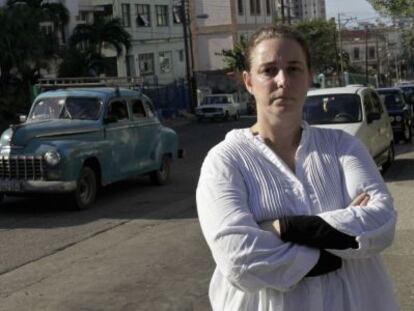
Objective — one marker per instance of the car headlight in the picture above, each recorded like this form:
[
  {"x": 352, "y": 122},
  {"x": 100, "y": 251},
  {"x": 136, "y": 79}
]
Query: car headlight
[
  {"x": 398, "y": 118},
  {"x": 52, "y": 157}
]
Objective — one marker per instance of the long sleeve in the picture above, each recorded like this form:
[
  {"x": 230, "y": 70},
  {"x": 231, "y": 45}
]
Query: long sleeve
[
  {"x": 372, "y": 225},
  {"x": 249, "y": 257}
]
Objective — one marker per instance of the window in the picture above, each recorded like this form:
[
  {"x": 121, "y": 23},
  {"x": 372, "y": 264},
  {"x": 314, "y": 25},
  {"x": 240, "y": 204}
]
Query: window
[
  {"x": 126, "y": 15},
  {"x": 161, "y": 12},
  {"x": 371, "y": 52},
  {"x": 130, "y": 66},
  {"x": 181, "y": 55},
  {"x": 149, "y": 109},
  {"x": 268, "y": 10},
  {"x": 177, "y": 14},
  {"x": 165, "y": 62},
  {"x": 255, "y": 7},
  {"x": 118, "y": 110},
  {"x": 138, "y": 110},
  {"x": 356, "y": 53},
  {"x": 146, "y": 64},
  {"x": 143, "y": 15},
  {"x": 240, "y": 7}
]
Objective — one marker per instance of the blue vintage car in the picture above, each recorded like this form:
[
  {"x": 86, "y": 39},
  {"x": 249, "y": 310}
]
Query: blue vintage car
[{"x": 75, "y": 140}]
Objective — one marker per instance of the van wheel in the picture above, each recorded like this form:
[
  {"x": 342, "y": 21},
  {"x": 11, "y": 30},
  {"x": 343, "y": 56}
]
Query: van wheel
[
  {"x": 226, "y": 116},
  {"x": 407, "y": 134},
  {"x": 390, "y": 158},
  {"x": 86, "y": 188},
  {"x": 162, "y": 175}
]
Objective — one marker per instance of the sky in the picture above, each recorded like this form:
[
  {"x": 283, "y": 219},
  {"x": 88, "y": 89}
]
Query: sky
[{"x": 361, "y": 9}]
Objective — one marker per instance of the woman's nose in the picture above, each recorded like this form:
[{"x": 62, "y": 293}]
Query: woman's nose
[{"x": 280, "y": 79}]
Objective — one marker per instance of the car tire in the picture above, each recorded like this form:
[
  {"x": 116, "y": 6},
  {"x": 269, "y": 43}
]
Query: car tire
[
  {"x": 226, "y": 116},
  {"x": 407, "y": 133},
  {"x": 86, "y": 188},
  {"x": 390, "y": 158},
  {"x": 236, "y": 116},
  {"x": 162, "y": 175}
]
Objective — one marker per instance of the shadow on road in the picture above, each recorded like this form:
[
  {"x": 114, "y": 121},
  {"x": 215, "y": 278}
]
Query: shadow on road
[{"x": 401, "y": 170}]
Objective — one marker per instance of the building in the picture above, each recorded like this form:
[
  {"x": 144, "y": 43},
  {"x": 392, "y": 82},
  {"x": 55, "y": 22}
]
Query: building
[
  {"x": 218, "y": 25},
  {"x": 291, "y": 11}
]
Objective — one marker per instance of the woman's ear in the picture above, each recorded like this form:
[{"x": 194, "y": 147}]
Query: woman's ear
[{"x": 247, "y": 81}]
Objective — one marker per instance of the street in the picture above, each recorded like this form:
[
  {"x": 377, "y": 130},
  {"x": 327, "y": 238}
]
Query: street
[{"x": 140, "y": 246}]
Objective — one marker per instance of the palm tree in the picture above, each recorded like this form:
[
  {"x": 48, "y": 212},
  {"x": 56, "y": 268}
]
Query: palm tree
[{"x": 90, "y": 39}]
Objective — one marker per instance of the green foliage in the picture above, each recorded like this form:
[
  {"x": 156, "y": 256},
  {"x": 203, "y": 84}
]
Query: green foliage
[
  {"x": 393, "y": 7},
  {"x": 321, "y": 37},
  {"x": 25, "y": 49},
  {"x": 235, "y": 58}
]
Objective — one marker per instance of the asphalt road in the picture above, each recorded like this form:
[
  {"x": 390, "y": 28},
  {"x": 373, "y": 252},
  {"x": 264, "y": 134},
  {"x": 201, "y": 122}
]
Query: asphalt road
[{"x": 140, "y": 246}]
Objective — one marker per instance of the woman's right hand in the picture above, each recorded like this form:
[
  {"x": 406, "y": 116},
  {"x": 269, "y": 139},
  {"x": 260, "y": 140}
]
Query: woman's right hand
[{"x": 360, "y": 200}]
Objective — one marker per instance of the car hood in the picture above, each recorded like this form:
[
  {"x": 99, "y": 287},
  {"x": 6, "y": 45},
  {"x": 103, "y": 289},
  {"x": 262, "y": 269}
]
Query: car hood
[
  {"x": 350, "y": 128},
  {"x": 22, "y": 134}
]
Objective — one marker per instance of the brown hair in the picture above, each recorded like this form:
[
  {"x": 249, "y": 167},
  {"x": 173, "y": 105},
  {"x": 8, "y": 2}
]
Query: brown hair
[{"x": 272, "y": 32}]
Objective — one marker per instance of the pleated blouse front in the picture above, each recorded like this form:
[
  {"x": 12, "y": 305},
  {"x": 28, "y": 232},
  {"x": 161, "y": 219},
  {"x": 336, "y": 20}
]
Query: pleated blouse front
[{"x": 243, "y": 182}]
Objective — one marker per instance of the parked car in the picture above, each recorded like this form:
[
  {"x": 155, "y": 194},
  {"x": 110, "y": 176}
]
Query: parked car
[
  {"x": 358, "y": 111},
  {"x": 75, "y": 140},
  {"x": 401, "y": 114},
  {"x": 408, "y": 91},
  {"x": 218, "y": 106}
]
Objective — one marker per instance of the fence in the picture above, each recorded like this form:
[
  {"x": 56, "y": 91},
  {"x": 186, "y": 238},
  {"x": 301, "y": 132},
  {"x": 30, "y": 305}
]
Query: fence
[{"x": 170, "y": 100}]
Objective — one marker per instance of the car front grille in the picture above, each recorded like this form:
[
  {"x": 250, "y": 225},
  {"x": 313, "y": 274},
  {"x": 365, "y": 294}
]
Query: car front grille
[
  {"x": 22, "y": 167},
  {"x": 209, "y": 110}
]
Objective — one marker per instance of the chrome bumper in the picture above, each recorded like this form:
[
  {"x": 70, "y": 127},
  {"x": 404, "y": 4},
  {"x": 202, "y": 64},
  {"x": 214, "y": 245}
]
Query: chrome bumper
[{"x": 36, "y": 186}]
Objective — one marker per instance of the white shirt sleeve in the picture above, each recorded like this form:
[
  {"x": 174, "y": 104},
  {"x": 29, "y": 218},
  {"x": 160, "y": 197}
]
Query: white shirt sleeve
[
  {"x": 250, "y": 258},
  {"x": 372, "y": 225}
]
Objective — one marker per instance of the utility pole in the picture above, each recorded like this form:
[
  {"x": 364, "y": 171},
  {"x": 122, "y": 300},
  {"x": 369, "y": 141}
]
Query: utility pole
[
  {"x": 188, "y": 51},
  {"x": 366, "y": 55},
  {"x": 282, "y": 10},
  {"x": 341, "y": 61}
]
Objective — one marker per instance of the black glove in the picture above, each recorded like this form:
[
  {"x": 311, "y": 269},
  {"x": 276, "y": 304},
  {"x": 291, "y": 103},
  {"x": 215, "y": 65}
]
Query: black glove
[
  {"x": 327, "y": 263},
  {"x": 313, "y": 231}
]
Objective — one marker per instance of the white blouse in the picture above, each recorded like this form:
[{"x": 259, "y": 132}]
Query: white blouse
[{"x": 243, "y": 182}]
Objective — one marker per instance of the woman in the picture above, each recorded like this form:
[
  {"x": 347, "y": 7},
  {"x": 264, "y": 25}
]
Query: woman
[{"x": 295, "y": 216}]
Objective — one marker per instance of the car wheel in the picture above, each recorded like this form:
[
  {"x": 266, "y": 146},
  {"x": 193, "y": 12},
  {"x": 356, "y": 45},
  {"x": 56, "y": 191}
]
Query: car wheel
[
  {"x": 162, "y": 175},
  {"x": 407, "y": 134},
  {"x": 226, "y": 116},
  {"x": 86, "y": 188},
  {"x": 390, "y": 158},
  {"x": 236, "y": 116}
]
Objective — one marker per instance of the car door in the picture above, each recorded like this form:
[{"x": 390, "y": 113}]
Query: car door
[
  {"x": 383, "y": 124},
  {"x": 145, "y": 134},
  {"x": 370, "y": 134},
  {"x": 119, "y": 132}
]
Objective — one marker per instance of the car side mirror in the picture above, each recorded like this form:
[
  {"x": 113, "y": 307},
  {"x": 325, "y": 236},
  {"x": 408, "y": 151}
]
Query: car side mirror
[
  {"x": 110, "y": 119},
  {"x": 373, "y": 116},
  {"x": 22, "y": 118}
]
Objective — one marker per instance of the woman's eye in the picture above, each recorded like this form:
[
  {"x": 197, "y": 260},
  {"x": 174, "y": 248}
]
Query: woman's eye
[
  {"x": 294, "y": 69},
  {"x": 270, "y": 70}
]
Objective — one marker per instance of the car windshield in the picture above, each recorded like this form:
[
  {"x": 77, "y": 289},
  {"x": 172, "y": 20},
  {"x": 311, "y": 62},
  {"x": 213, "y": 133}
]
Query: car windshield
[
  {"x": 392, "y": 99},
  {"x": 408, "y": 93},
  {"x": 332, "y": 108},
  {"x": 81, "y": 108},
  {"x": 212, "y": 100}
]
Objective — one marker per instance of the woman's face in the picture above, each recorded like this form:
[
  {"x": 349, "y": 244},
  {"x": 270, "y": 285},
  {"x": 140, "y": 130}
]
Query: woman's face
[{"x": 278, "y": 79}]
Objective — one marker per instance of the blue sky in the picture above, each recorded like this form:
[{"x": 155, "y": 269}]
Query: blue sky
[{"x": 351, "y": 8}]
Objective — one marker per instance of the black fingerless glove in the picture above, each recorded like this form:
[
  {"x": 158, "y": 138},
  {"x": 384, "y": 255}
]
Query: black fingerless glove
[
  {"x": 313, "y": 231},
  {"x": 327, "y": 263}
]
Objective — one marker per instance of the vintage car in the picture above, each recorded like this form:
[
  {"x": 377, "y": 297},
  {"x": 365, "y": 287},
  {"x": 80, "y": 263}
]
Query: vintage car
[
  {"x": 357, "y": 110},
  {"x": 218, "y": 106},
  {"x": 75, "y": 140}
]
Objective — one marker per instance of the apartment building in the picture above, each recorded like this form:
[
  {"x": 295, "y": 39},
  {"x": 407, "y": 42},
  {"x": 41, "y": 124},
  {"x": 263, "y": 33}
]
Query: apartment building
[
  {"x": 297, "y": 10},
  {"x": 219, "y": 24}
]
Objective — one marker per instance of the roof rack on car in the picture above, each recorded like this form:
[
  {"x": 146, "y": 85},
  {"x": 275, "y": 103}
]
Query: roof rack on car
[{"x": 61, "y": 83}]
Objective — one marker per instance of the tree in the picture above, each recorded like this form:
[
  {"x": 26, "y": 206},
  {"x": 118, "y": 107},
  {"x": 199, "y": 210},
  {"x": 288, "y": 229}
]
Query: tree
[
  {"x": 394, "y": 7},
  {"x": 321, "y": 37},
  {"x": 90, "y": 39},
  {"x": 235, "y": 58}
]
